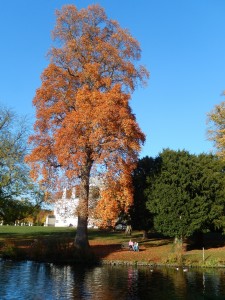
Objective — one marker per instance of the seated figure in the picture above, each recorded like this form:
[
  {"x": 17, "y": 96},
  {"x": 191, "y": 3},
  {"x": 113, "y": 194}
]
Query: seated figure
[
  {"x": 131, "y": 244},
  {"x": 135, "y": 246}
]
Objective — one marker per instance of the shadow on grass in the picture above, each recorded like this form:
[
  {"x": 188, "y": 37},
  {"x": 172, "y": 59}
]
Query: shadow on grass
[
  {"x": 155, "y": 242},
  {"x": 102, "y": 251},
  {"x": 58, "y": 243},
  {"x": 208, "y": 241}
]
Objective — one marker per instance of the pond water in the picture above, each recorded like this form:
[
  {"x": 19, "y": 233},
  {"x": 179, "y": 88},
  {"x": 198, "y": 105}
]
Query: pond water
[{"x": 38, "y": 281}]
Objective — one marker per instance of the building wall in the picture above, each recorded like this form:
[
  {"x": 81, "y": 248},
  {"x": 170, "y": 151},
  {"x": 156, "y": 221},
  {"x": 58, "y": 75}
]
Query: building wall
[{"x": 65, "y": 210}]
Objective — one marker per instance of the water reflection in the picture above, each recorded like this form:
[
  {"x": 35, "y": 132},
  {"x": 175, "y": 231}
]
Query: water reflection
[{"x": 37, "y": 281}]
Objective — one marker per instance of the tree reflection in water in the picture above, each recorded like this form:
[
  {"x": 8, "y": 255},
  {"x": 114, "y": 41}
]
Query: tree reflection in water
[{"x": 37, "y": 281}]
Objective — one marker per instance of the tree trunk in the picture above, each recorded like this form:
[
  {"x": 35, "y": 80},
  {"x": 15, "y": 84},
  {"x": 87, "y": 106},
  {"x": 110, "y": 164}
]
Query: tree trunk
[
  {"x": 145, "y": 234},
  {"x": 81, "y": 239}
]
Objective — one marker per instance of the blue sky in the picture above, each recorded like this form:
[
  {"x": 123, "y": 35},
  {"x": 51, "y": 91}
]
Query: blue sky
[{"x": 182, "y": 44}]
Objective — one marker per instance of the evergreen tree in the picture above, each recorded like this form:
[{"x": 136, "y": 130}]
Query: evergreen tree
[
  {"x": 140, "y": 216},
  {"x": 186, "y": 193}
]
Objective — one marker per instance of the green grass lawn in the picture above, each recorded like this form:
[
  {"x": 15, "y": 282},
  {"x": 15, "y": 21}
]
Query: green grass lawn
[
  {"x": 42, "y": 231},
  {"x": 47, "y": 242},
  {"x": 34, "y": 231}
]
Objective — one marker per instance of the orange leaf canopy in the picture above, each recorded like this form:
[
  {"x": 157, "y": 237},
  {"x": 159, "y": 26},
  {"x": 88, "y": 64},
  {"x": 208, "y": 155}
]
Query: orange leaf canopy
[{"x": 84, "y": 125}]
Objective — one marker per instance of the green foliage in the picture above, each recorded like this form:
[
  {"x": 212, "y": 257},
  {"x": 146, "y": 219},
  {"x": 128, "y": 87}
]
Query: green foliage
[
  {"x": 13, "y": 137},
  {"x": 186, "y": 193},
  {"x": 216, "y": 130},
  {"x": 16, "y": 210},
  {"x": 15, "y": 182},
  {"x": 140, "y": 216}
]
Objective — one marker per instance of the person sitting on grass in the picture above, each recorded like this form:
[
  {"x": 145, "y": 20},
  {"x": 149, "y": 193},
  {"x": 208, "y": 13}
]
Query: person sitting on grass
[
  {"x": 131, "y": 244},
  {"x": 135, "y": 246}
]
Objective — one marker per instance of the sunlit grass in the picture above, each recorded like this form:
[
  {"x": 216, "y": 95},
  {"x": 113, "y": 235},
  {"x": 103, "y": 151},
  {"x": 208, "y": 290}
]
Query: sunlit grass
[
  {"x": 34, "y": 231},
  {"x": 43, "y": 241}
]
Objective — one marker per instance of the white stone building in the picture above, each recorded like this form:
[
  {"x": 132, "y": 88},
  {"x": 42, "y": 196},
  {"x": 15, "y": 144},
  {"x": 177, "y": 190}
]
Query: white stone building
[{"x": 65, "y": 210}]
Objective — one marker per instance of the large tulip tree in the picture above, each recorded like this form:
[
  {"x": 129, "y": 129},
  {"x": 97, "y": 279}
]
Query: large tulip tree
[{"x": 84, "y": 124}]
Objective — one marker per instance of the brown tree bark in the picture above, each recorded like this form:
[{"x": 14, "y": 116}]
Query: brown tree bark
[
  {"x": 81, "y": 238},
  {"x": 145, "y": 234}
]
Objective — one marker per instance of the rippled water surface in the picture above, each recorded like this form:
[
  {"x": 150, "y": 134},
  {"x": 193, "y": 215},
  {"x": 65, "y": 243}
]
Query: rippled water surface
[{"x": 36, "y": 281}]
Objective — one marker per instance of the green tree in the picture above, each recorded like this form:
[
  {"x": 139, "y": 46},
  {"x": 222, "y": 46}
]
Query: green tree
[
  {"x": 186, "y": 194},
  {"x": 15, "y": 181},
  {"x": 14, "y": 174},
  {"x": 15, "y": 210},
  {"x": 141, "y": 217},
  {"x": 216, "y": 131}
]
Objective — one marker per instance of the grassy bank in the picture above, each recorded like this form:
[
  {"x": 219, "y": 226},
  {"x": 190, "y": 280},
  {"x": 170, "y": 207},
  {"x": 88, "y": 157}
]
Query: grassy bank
[{"x": 56, "y": 245}]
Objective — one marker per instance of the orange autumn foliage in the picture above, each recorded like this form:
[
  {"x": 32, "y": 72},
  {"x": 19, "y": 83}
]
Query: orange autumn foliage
[{"x": 84, "y": 124}]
